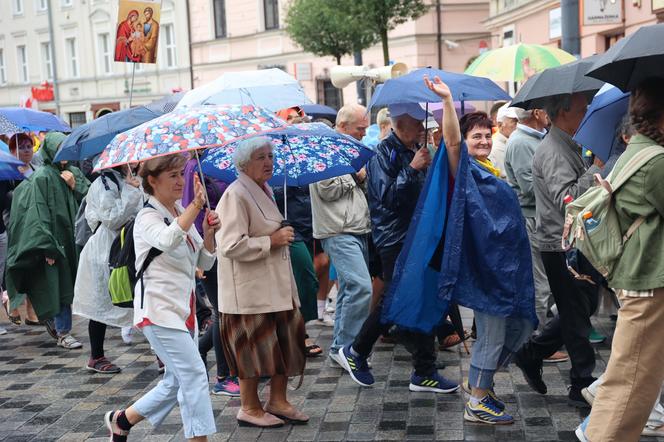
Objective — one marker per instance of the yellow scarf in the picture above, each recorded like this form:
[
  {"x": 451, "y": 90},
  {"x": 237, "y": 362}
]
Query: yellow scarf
[{"x": 488, "y": 165}]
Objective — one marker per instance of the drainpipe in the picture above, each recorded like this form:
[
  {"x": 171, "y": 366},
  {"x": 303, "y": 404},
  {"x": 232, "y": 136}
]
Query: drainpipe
[
  {"x": 357, "y": 58},
  {"x": 571, "y": 41},
  {"x": 191, "y": 57},
  {"x": 51, "y": 36},
  {"x": 439, "y": 35}
]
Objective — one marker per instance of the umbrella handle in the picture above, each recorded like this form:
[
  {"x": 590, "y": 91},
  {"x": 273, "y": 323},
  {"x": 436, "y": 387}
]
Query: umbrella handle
[{"x": 202, "y": 177}]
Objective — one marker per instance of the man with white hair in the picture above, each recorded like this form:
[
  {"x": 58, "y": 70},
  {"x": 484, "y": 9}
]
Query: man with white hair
[
  {"x": 507, "y": 120},
  {"x": 340, "y": 219},
  {"x": 396, "y": 176}
]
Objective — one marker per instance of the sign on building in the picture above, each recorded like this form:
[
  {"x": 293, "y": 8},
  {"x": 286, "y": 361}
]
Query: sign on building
[
  {"x": 137, "y": 33},
  {"x": 602, "y": 12}
]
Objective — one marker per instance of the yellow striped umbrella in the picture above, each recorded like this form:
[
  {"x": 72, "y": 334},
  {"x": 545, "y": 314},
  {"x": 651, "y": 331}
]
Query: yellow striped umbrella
[{"x": 505, "y": 64}]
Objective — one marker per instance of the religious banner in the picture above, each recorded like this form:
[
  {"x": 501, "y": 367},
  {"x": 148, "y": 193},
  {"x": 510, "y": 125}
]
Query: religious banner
[
  {"x": 138, "y": 31},
  {"x": 602, "y": 12}
]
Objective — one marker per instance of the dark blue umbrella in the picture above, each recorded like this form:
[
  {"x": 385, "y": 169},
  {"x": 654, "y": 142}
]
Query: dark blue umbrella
[
  {"x": 33, "y": 120},
  {"x": 597, "y": 131},
  {"x": 319, "y": 111},
  {"x": 410, "y": 88},
  {"x": 90, "y": 139},
  {"x": 9, "y": 165}
]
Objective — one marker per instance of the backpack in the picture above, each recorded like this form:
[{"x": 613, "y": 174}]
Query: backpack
[
  {"x": 82, "y": 230},
  {"x": 603, "y": 244},
  {"x": 122, "y": 263}
]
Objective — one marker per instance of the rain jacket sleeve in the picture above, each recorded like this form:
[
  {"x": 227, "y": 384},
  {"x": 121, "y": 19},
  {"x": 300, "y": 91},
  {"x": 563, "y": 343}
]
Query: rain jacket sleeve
[
  {"x": 110, "y": 206},
  {"x": 396, "y": 187}
]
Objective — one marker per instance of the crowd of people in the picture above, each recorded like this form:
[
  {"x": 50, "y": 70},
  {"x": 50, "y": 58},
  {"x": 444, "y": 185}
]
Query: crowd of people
[{"x": 203, "y": 245}]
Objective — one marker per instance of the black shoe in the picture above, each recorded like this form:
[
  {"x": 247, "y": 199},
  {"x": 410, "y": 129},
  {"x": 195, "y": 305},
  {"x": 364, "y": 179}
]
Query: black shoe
[
  {"x": 532, "y": 371},
  {"x": 576, "y": 399},
  {"x": 50, "y": 328}
]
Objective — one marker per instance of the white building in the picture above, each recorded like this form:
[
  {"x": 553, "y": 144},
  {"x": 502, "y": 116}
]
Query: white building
[{"x": 89, "y": 82}]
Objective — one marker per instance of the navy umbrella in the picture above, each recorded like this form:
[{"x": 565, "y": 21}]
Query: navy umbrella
[
  {"x": 90, "y": 139},
  {"x": 566, "y": 79},
  {"x": 319, "y": 111},
  {"x": 410, "y": 88},
  {"x": 633, "y": 59},
  {"x": 9, "y": 167},
  {"x": 597, "y": 131}
]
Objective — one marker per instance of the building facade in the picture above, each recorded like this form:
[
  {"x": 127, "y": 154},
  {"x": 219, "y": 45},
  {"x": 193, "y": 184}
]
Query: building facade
[
  {"x": 236, "y": 35},
  {"x": 601, "y": 22},
  {"x": 89, "y": 83}
]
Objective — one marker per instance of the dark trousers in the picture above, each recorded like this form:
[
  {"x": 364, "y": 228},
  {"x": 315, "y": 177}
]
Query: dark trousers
[
  {"x": 421, "y": 346},
  {"x": 576, "y": 301},
  {"x": 97, "y": 333},
  {"x": 212, "y": 337}
]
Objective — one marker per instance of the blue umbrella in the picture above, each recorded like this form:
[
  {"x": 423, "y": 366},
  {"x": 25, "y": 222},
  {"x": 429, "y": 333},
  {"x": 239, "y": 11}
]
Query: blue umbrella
[
  {"x": 7, "y": 127},
  {"x": 597, "y": 131},
  {"x": 303, "y": 154},
  {"x": 90, "y": 139},
  {"x": 30, "y": 120},
  {"x": 410, "y": 88},
  {"x": 4, "y": 147},
  {"x": 9, "y": 165},
  {"x": 319, "y": 111}
]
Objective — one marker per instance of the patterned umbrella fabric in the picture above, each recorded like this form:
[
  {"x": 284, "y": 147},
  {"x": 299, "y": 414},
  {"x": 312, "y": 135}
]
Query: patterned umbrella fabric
[
  {"x": 30, "y": 120},
  {"x": 506, "y": 64},
  {"x": 186, "y": 129},
  {"x": 303, "y": 154},
  {"x": 7, "y": 127},
  {"x": 9, "y": 167}
]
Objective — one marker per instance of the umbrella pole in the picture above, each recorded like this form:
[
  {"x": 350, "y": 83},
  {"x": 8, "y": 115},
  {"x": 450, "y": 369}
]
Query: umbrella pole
[
  {"x": 202, "y": 177},
  {"x": 463, "y": 107},
  {"x": 284, "y": 140}
]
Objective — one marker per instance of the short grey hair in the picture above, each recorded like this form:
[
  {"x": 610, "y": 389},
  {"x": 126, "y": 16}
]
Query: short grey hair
[
  {"x": 522, "y": 114},
  {"x": 349, "y": 112},
  {"x": 245, "y": 148}
]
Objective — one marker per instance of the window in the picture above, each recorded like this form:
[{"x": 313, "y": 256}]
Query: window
[
  {"x": 271, "y": 12},
  {"x": 328, "y": 94},
  {"x": 105, "y": 59},
  {"x": 72, "y": 56},
  {"x": 171, "y": 56},
  {"x": 22, "y": 64},
  {"x": 17, "y": 6},
  {"x": 76, "y": 119},
  {"x": 42, "y": 5},
  {"x": 66, "y": 3},
  {"x": 3, "y": 72},
  {"x": 220, "y": 18},
  {"x": 47, "y": 65}
]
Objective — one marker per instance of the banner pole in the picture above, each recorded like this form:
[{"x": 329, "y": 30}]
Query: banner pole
[{"x": 131, "y": 88}]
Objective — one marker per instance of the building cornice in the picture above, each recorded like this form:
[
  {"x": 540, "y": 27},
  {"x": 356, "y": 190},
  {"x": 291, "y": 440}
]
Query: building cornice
[{"x": 511, "y": 15}]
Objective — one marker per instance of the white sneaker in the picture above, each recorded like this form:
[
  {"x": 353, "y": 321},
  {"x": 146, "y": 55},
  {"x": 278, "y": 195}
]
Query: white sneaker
[
  {"x": 336, "y": 358},
  {"x": 588, "y": 395},
  {"x": 653, "y": 431},
  {"x": 327, "y": 319},
  {"x": 69, "y": 342},
  {"x": 3, "y": 331},
  {"x": 127, "y": 335}
]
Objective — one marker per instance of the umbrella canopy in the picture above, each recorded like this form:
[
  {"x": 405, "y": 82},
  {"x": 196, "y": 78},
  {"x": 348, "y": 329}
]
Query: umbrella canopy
[
  {"x": 320, "y": 111},
  {"x": 90, "y": 139},
  {"x": 437, "y": 109},
  {"x": 597, "y": 131},
  {"x": 303, "y": 154},
  {"x": 272, "y": 89},
  {"x": 186, "y": 129},
  {"x": 9, "y": 165},
  {"x": 633, "y": 59},
  {"x": 33, "y": 120},
  {"x": 7, "y": 127},
  {"x": 410, "y": 88},
  {"x": 506, "y": 64},
  {"x": 562, "y": 80}
]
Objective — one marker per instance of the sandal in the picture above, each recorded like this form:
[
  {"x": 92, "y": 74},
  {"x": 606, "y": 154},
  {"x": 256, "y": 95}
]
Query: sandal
[
  {"x": 102, "y": 365},
  {"x": 313, "y": 350},
  {"x": 16, "y": 320},
  {"x": 31, "y": 322},
  {"x": 452, "y": 340}
]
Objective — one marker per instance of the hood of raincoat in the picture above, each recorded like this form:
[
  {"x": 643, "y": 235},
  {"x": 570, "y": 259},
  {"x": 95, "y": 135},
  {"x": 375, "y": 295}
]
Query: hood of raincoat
[{"x": 51, "y": 144}]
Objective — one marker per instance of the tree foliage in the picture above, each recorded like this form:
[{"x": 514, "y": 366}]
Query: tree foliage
[
  {"x": 328, "y": 27},
  {"x": 384, "y": 15}
]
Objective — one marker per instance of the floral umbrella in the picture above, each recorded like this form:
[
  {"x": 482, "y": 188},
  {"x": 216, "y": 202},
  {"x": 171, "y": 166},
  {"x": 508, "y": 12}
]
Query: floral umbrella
[
  {"x": 303, "y": 154},
  {"x": 187, "y": 129}
]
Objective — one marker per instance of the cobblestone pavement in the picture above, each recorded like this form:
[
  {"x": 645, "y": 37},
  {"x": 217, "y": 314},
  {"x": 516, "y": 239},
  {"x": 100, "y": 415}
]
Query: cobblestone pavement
[{"x": 46, "y": 395}]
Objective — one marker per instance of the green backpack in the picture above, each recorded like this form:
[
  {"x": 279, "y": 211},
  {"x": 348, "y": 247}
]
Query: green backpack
[{"x": 603, "y": 242}]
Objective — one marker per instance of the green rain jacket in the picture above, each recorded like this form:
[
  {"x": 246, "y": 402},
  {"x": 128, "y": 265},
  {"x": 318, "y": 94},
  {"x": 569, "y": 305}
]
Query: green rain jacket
[{"x": 42, "y": 226}]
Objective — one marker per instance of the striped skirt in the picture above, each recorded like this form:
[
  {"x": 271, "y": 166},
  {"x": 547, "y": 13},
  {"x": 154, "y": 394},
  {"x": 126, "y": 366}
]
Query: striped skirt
[{"x": 264, "y": 344}]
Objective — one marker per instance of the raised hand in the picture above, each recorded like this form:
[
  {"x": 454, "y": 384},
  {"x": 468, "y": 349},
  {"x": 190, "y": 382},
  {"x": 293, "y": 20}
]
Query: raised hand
[{"x": 438, "y": 87}]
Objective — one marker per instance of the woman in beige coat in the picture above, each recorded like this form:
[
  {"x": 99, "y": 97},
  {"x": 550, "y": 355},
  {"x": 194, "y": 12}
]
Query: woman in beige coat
[{"x": 262, "y": 329}]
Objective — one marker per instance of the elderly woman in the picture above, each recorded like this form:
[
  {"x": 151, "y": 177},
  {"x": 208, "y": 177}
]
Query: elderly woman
[
  {"x": 164, "y": 305},
  {"x": 261, "y": 326}
]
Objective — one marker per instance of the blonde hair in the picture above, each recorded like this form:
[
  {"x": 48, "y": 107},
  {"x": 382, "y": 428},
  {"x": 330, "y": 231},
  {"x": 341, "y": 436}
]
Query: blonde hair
[
  {"x": 383, "y": 117},
  {"x": 155, "y": 166}
]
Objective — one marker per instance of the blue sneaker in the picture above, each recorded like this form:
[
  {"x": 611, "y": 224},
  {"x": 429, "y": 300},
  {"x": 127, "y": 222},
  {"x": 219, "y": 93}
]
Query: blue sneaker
[
  {"x": 227, "y": 386},
  {"x": 581, "y": 430},
  {"x": 486, "y": 412},
  {"x": 492, "y": 394},
  {"x": 356, "y": 366},
  {"x": 434, "y": 383}
]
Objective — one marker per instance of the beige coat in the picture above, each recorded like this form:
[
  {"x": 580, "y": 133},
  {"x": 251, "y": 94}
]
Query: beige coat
[{"x": 252, "y": 277}]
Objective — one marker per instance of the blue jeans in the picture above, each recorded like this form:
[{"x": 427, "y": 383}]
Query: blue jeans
[
  {"x": 350, "y": 258},
  {"x": 498, "y": 338},
  {"x": 63, "y": 320},
  {"x": 184, "y": 383}
]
